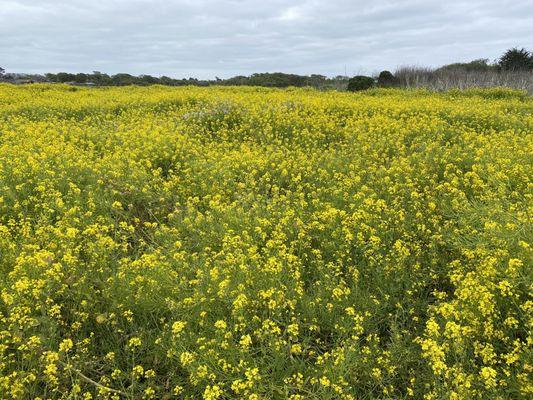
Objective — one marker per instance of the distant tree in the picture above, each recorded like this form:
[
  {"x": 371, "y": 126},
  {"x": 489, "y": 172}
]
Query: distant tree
[
  {"x": 148, "y": 80},
  {"x": 277, "y": 79},
  {"x": 99, "y": 78},
  {"x": 360, "y": 82},
  {"x": 387, "y": 79},
  {"x": 238, "y": 80},
  {"x": 35, "y": 78},
  {"x": 65, "y": 77},
  {"x": 479, "y": 65},
  {"x": 516, "y": 60},
  {"x": 80, "y": 78},
  {"x": 50, "y": 77},
  {"x": 317, "y": 80},
  {"x": 124, "y": 79},
  {"x": 165, "y": 80},
  {"x": 4, "y": 76}
]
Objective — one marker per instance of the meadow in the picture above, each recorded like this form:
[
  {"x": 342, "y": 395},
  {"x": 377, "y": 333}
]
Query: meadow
[{"x": 253, "y": 243}]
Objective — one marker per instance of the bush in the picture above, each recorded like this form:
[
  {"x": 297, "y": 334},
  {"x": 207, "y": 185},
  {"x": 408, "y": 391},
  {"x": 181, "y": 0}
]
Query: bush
[
  {"x": 387, "y": 79},
  {"x": 479, "y": 65},
  {"x": 360, "y": 82}
]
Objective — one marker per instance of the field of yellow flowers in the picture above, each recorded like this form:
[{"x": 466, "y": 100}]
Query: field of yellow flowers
[{"x": 252, "y": 243}]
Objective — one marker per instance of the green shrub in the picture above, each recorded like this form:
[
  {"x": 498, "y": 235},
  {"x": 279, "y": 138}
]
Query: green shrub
[
  {"x": 387, "y": 79},
  {"x": 360, "y": 82},
  {"x": 479, "y": 65}
]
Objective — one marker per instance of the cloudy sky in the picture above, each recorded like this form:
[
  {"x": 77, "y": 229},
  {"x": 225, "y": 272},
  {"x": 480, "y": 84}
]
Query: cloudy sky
[{"x": 208, "y": 38}]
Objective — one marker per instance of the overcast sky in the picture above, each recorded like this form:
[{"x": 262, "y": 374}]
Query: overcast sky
[{"x": 208, "y": 38}]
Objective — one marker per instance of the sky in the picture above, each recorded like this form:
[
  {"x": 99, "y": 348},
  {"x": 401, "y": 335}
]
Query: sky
[{"x": 208, "y": 38}]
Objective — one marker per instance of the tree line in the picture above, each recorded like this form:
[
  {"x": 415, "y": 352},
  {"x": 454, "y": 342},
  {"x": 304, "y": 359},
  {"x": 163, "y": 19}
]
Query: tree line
[
  {"x": 480, "y": 72},
  {"x": 267, "y": 79}
]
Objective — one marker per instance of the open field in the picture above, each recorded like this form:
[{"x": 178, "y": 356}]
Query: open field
[{"x": 227, "y": 243}]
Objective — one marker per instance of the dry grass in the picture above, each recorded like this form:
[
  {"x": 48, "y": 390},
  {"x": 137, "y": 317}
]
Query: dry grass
[{"x": 438, "y": 79}]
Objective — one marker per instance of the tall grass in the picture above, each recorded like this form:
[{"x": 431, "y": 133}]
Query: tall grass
[{"x": 444, "y": 79}]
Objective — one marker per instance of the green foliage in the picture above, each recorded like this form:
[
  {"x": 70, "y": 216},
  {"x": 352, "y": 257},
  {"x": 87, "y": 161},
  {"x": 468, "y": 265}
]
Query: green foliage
[
  {"x": 360, "y": 82},
  {"x": 279, "y": 79},
  {"x": 516, "y": 60},
  {"x": 276, "y": 79},
  {"x": 387, "y": 79},
  {"x": 479, "y": 65}
]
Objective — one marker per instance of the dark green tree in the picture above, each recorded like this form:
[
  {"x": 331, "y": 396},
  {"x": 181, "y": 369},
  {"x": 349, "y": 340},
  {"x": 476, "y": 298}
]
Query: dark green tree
[
  {"x": 360, "y": 82},
  {"x": 165, "y": 80},
  {"x": 386, "y": 79},
  {"x": 65, "y": 77},
  {"x": 99, "y": 78},
  {"x": 124, "y": 79},
  {"x": 50, "y": 77},
  {"x": 148, "y": 80},
  {"x": 516, "y": 60},
  {"x": 80, "y": 78}
]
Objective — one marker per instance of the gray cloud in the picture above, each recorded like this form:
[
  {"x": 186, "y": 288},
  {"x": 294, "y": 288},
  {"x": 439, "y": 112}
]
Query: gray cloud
[{"x": 207, "y": 38}]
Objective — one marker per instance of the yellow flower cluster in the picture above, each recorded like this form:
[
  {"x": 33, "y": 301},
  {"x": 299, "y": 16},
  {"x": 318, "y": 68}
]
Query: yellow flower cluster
[{"x": 253, "y": 243}]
